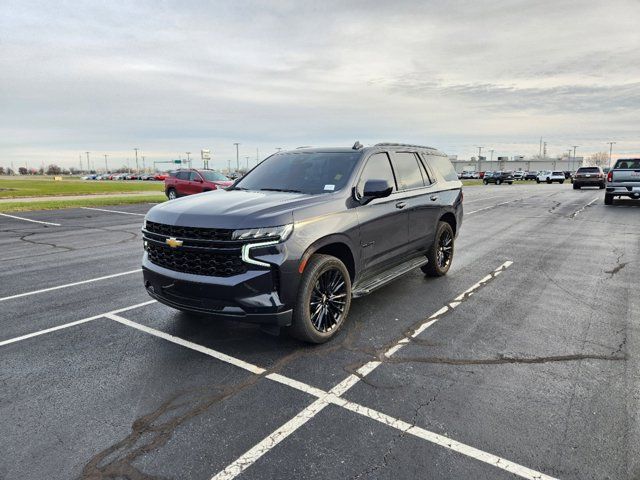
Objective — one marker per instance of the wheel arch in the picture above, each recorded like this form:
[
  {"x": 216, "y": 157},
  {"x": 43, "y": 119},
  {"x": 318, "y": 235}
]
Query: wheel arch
[{"x": 336, "y": 246}]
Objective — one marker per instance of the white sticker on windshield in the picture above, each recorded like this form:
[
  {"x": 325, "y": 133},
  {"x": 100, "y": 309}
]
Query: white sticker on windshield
[{"x": 330, "y": 187}]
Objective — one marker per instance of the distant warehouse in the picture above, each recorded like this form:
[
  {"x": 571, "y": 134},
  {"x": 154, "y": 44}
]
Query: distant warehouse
[{"x": 517, "y": 162}]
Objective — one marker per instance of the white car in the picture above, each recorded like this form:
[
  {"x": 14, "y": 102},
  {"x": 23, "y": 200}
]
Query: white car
[
  {"x": 519, "y": 175},
  {"x": 550, "y": 176}
]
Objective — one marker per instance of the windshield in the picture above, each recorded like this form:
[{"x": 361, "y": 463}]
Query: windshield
[
  {"x": 303, "y": 172},
  {"x": 212, "y": 176}
]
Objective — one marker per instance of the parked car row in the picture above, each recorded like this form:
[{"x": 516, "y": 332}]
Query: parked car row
[{"x": 127, "y": 176}]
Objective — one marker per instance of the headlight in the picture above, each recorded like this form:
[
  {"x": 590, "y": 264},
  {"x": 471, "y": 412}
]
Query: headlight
[{"x": 280, "y": 233}]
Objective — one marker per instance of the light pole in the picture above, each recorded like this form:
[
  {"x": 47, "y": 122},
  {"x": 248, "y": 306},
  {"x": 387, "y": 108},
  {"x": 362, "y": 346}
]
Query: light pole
[
  {"x": 237, "y": 156},
  {"x": 188, "y": 158},
  {"x": 144, "y": 168},
  {"x": 88, "y": 164},
  {"x": 610, "y": 151},
  {"x": 137, "y": 167},
  {"x": 246, "y": 157},
  {"x": 106, "y": 167},
  {"x": 80, "y": 157},
  {"x": 479, "y": 158}
]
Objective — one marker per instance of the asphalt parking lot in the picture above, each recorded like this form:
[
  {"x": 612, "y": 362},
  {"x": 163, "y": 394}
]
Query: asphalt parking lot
[{"x": 522, "y": 362}]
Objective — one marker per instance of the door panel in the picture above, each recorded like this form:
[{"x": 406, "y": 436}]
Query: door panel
[{"x": 384, "y": 222}]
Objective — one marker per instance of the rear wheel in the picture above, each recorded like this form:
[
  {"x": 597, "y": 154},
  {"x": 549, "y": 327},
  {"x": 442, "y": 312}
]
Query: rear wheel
[
  {"x": 576, "y": 186},
  {"x": 608, "y": 199},
  {"x": 601, "y": 186},
  {"x": 561, "y": 182},
  {"x": 323, "y": 302},
  {"x": 440, "y": 255},
  {"x": 172, "y": 194},
  {"x": 549, "y": 181}
]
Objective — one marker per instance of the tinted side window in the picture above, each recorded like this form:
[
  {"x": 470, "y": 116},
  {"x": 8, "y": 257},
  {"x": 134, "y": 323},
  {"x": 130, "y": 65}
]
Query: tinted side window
[
  {"x": 377, "y": 168},
  {"x": 193, "y": 176},
  {"x": 182, "y": 175},
  {"x": 443, "y": 166},
  {"x": 408, "y": 174}
]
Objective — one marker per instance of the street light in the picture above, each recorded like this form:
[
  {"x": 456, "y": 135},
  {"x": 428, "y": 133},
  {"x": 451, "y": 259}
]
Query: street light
[
  {"x": 188, "y": 159},
  {"x": 237, "y": 156},
  {"x": 106, "y": 167},
  {"x": 610, "y": 151},
  {"x": 88, "y": 164},
  {"x": 137, "y": 166},
  {"x": 479, "y": 158},
  {"x": 574, "y": 156}
]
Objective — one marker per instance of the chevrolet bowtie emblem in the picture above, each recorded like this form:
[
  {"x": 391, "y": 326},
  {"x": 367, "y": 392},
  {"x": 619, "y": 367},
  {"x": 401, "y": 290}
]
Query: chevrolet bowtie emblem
[{"x": 173, "y": 242}]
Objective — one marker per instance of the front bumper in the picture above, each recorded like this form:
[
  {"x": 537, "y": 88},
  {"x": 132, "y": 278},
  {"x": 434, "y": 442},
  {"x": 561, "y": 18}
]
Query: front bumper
[{"x": 250, "y": 297}]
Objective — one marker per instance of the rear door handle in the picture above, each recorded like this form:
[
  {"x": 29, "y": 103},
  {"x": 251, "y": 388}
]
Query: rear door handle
[
  {"x": 401, "y": 205},
  {"x": 434, "y": 197}
]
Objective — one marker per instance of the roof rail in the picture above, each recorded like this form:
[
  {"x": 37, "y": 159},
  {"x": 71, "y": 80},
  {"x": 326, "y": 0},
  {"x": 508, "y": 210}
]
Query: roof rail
[
  {"x": 391, "y": 144},
  {"x": 304, "y": 146},
  {"x": 357, "y": 145}
]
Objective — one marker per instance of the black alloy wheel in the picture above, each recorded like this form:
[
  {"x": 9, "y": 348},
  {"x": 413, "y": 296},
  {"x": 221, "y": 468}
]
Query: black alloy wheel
[
  {"x": 323, "y": 301},
  {"x": 327, "y": 303},
  {"x": 440, "y": 255}
]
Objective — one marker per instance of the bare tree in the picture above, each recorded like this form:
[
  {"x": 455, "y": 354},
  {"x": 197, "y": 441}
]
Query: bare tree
[
  {"x": 53, "y": 169},
  {"x": 599, "y": 159}
]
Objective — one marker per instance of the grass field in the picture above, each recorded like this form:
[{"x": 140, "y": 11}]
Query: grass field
[
  {"x": 53, "y": 204},
  {"x": 13, "y": 187}
]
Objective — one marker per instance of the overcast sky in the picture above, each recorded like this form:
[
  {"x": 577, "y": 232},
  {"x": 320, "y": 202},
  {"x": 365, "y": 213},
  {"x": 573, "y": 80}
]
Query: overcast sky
[{"x": 170, "y": 77}]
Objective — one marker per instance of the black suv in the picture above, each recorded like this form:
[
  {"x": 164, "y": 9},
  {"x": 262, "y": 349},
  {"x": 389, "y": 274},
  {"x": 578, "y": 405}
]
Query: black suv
[
  {"x": 305, "y": 231},
  {"x": 498, "y": 178}
]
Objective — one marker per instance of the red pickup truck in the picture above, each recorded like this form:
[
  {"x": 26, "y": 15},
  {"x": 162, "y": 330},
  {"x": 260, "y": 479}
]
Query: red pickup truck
[{"x": 190, "y": 181}]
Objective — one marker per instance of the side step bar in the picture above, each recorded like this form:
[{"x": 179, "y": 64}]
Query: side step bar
[{"x": 362, "y": 289}]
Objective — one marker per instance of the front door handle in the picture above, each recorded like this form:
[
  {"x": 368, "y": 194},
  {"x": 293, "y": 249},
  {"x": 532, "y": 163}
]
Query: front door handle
[
  {"x": 401, "y": 205},
  {"x": 434, "y": 197}
]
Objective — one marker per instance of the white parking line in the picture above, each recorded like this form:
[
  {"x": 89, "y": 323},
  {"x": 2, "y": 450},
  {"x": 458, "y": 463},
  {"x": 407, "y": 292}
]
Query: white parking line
[
  {"x": 186, "y": 343},
  {"x": 487, "y": 208},
  {"x": 113, "y": 211},
  {"x": 253, "y": 454},
  {"x": 324, "y": 398},
  {"x": 575, "y": 214},
  {"x": 49, "y": 289},
  {"x": 30, "y": 220},
  {"x": 72, "y": 324},
  {"x": 481, "y": 199}
]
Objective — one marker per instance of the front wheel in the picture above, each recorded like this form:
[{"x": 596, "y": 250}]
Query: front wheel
[
  {"x": 576, "y": 186},
  {"x": 561, "y": 182},
  {"x": 172, "y": 194},
  {"x": 440, "y": 255},
  {"x": 485, "y": 182},
  {"x": 537, "y": 180},
  {"x": 498, "y": 182},
  {"x": 323, "y": 302}
]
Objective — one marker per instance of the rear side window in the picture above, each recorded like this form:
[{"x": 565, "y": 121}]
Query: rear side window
[
  {"x": 377, "y": 168},
  {"x": 182, "y": 175},
  {"x": 407, "y": 170},
  {"x": 443, "y": 166}
]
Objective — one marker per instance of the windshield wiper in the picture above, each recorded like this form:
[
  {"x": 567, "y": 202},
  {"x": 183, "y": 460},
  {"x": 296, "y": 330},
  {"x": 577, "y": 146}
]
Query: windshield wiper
[{"x": 280, "y": 190}]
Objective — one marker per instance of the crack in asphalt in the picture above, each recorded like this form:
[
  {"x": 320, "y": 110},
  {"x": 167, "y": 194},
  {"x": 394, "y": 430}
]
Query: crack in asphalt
[
  {"x": 503, "y": 359},
  {"x": 619, "y": 266}
]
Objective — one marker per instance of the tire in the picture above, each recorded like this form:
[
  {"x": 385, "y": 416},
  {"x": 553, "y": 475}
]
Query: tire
[
  {"x": 498, "y": 181},
  {"x": 485, "y": 182},
  {"x": 549, "y": 181},
  {"x": 172, "y": 194},
  {"x": 608, "y": 199},
  {"x": 537, "y": 180},
  {"x": 322, "y": 273},
  {"x": 561, "y": 182},
  {"x": 510, "y": 183},
  {"x": 601, "y": 186},
  {"x": 435, "y": 267},
  {"x": 576, "y": 186}
]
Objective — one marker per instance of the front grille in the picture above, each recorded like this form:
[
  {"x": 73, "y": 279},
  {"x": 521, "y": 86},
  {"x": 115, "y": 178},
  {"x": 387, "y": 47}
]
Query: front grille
[
  {"x": 195, "y": 233},
  {"x": 197, "y": 263}
]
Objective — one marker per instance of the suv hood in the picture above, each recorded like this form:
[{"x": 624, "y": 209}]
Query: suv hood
[{"x": 233, "y": 209}]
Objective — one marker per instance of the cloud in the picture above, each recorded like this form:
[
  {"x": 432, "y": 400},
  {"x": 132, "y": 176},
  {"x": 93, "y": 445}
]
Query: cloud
[{"x": 171, "y": 76}]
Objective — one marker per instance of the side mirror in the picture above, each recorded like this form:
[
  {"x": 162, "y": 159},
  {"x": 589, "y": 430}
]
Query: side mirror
[{"x": 375, "y": 189}]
